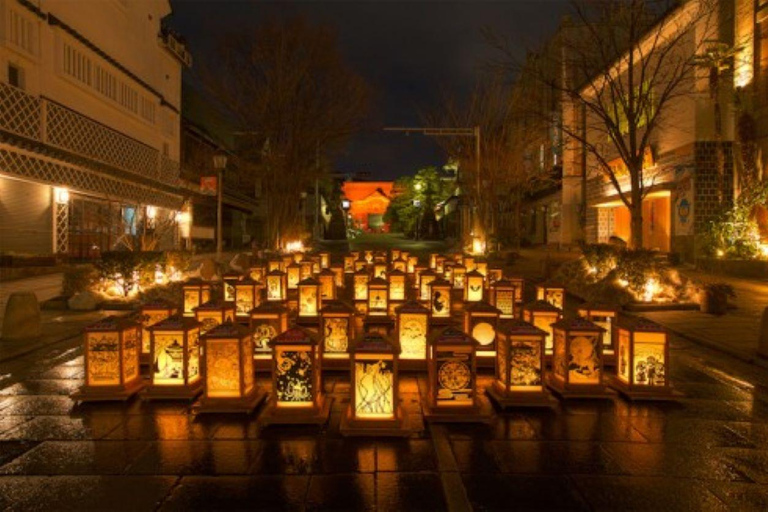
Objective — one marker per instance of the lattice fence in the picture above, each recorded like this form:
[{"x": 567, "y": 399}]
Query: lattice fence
[
  {"x": 19, "y": 112},
  {"x": 61, "y": 228}
]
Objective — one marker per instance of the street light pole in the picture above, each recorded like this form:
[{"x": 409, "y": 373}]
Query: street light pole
[{"x": 219, "y": 163}]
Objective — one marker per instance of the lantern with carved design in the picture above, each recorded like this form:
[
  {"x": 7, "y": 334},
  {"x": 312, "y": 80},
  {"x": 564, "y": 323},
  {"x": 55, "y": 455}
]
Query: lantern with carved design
[
  {"x": 293, "y": 273},
  {"x": 378, "y": 297},
  {"x": 495, "y": 274},
  {"x": 230, "y": 279},
  {"x": 213, "y": 313},
  {"x": 413, "y": 262},
  {"x": 247, "y": 297},
  {"x": 337, "y": 324},
  {"x": 480, "y": 321},
  {"x": 258, "y": 272},
  {"x": 310, "y": 300},
  {"x": 605, "y": 316},
  {"x": 542, "y": 314},
  {"x": 267, "y": 321},
  {"x": 469, "y": 263},
  {"x": 325, "y": 259},
  {"x": 474, "y": 287},
  {"x": 175, "y": 353},
  {"x": 642, "y": 360},
  {"x": 502, "y": 296},
  {"x": 275, "y": 264},
  {"x": 338, "y": 274},
  {"x": 577, "y": 361},
  {"x": 307, "y": 269},
  {"x": 196, "y": 292},
  {"x": 412, "y": 327},
  {"x": 551, "y": 292},
  {"x": 151, "y": 313},
  {"x": 440, "y": 301},
  {"x": 277, "y": 286}
]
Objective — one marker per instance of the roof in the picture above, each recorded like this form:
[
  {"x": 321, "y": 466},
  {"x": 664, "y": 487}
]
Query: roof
[
  {"x": 294, "y": 336},
  {"x": 481, "y": 307},
  {"x": 336, "y": 306},
  {"x": 112, "y": 323},
  {"x": 541, "y": 305},
  {"x": 158, "y": 304},
  {"x": 228, "y": 330},
  {"x": 577, "y": 324},
  {"x": 638, "y": 323},
  {"x": 214, "y": 305},
  {"x": 270, "y": 307},
  {"x": 411, "y": 307},
  {"x": 175, "y": 323},
  {"x": 359, "y": 190},
  {"x": 519, "y": 328},
  {"x": 452, "y": 336},
  {"x": 596, "y": 306},
  {"x": 375, "y": 343}
]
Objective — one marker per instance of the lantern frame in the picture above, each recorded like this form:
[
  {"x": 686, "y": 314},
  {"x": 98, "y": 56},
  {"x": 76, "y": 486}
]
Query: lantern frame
[
  {"x": 293, "y": 275},
  {"x": 519, "y": 283},
  {"x": 560, "y": 378},
  {"x": 336, "y": 310},
  {"x": 275, "y": 316},
  {"x": 311, "y": 316},
  {"x": 195, "y": 292},
  {"x": 440, "y": 312},
  {"x": 606, "y": 317},
  {"x": 151, "y": 313},
  {"x": 191, "y": 384},
  {"x": 477, "y": 313},
  {"x": 378, "y": 291},
  {"x": 217, "y": 312},
  {"x": 327, "y": 279},
  {"x": 538, "y": 313},
  {"x": 247, "y": 297},
  {"x": 278, "y": 293},
  {"x": 551, "y": 292},
  {"x": 229, "y": 279},
  {"x": 472, "y": 280},
  {"x": 234, "y": 344},
  {"x": 426, "y": 277},
  {"x": 394, "y": 254},
  {"x": 405, "y": 316},
  {"x": 508, "y": 292},
  {"x": 125, "y": 337},
  {"x": 349, "y": 264}
]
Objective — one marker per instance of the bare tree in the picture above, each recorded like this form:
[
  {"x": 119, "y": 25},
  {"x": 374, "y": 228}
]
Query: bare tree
[{"x": 297, "y": 103}]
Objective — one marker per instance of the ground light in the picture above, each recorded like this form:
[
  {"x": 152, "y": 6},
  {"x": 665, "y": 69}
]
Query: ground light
[
  {"x": 111, "y": 349},
  {"x": 196, "y": 292},
  {"x": 229, "y": 384},
  {"x": 150, "y": 314},
  {"x": 175, "y": 354},
  {"x": 577, "y": 362},
  {"x": 267, "y": 321}
]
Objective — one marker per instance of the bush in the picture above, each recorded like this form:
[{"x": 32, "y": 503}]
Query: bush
[{"x": 78, "y": 278}]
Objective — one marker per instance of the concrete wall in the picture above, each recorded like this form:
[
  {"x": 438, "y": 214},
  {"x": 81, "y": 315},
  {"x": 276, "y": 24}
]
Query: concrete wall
[{"x": 27, "y": 219}]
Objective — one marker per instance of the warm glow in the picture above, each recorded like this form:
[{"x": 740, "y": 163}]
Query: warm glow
[
  {"x": 294, "y": 246},
  {"x": 412, "y": 334},
  {"x": 308, "y": 300},
  {"x": 293, "y": 377},
  {"x": 151, "y": 212},
  {"x": 650, "y": 290},
  {"x": 61, "y": 195},
  {"x": 374, "y": 389},
  {"x": 478, "y": 246}
]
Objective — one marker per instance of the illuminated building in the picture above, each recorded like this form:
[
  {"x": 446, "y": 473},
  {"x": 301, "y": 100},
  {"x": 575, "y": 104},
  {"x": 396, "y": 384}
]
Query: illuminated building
[{"x": 175, "y": 355}]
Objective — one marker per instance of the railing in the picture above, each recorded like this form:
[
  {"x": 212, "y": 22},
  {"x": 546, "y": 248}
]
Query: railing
[{"x": 55, "y": 125}]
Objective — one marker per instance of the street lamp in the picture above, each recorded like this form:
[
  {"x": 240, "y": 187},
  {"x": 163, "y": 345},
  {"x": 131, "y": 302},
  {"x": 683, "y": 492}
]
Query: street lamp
[{"x": 219, "y": 163}]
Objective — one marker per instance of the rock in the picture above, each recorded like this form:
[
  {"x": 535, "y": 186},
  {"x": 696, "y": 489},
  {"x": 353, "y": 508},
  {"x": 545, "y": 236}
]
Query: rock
[
  {"x": 83, "y": 301},
  {"x": 207, "y": 269},
  {"x": 22, "y": 317},
  {"x": 241, "y": 263}
]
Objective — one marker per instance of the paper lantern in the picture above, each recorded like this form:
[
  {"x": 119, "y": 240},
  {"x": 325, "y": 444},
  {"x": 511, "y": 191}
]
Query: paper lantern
[
  {"x": 474, "y": 286},
  {"x": 452, "y": 380},
  {"x": 275, "y": 264},
  {"x": 480, "y": 321},
  {"x": 296, "y": 380},
  {"x": 111, "y": 351},
  {"x": 293, "y": 274},
  {"x": 296, "y": 257},
  {"x": 502, "y": 295},
  {"x": 349, "y": 264},
  {"x": 440, "y": 301},
  {"x": 230, "y": 384},
  {"x": 413, "y": 262},
  {"x": 469, "y": 263},
  {"x": 151, "y": 313},
  {"x": 433, "y": 261},
  {"x": 175, "y": 353},
  {"x": 258, "y": 272},
  {"x": 458, "y": 258},
  {"x": 448, "y": 270},
  {"x": 400, "y": 265},
  {"x": 310, "y": 299},
  {"x": 361, "y": 265},
  {"x": 520, "y": 367},
  {"x": 417, "y": 270},
  {"x": 338, "y": 274},
  {"x": 380, "y": 270},
  {"x": 267, "y": 321},
  {"x": 394, "y": 254},
  {"x": 412, "y": 326},
  {"x": 482, "y": 267},
  {"x": 325, "y": 259},
  {"x": 543, "y": 314},
  {"x": 316, "y": 265},
  {"x": 378, "y": 297},
  {"x": 247, "y": 296},
  {"x": 397, "y": 285},
  {"x": 327, "y": 281},
  {"x": 552, "y": 293},
  {"x": 404, "y": 255},
  {"x": 495, "y": 274},
  {"x": 459, "y": 275},
  {"x": 276, "y": 286},
  {"x": 230, "y": 279},
  {"x": 577, "y": 362},
  {"x": 307, "y": 269},
  {"x": 213, "y": 313},
  {"x": 374, "y": 407},
  {"x": 605, "y": 316},
  {"x": 425, "y": 278},
  {"x": 337, "y": 321},
  {"x": 380, "y": 257},
  {"x": 196, "y": 292},
  {"x": 519, "y": 283},
  {"x": 642, "y": 366},
  {"x": 440, "y": 264},
  {"x": 368, "y": 256}
]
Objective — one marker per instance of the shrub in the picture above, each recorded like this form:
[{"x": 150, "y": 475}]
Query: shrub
[{"x": 78, "y": 278}]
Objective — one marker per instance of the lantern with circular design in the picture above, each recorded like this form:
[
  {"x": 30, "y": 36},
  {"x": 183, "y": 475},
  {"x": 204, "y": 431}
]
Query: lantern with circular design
[
  {"x": 213, "y": 313},
  {"x": 440, "y": 301},
  {"x": 378, "y": 297},
  {"x": 151, "y": 313},
  {"x": 111, "y": 349},
  {"x": 551, "y": 292},
  {"x": 605, "y": 316},
  {"x": 230, "y": 383},
  {"x": 175, "y": 354},
  {"x": 337, "y": 324},
  {"x": 196, "y": 292},
  {"x": 474, "y": 286},
  {"x": 277, "y": 286},
  {"x": 480, "y": 322},
  {"x": 642, "y": 360},
  {"x": 247, "y": 297},
  {"x": 267, "y": 321},
  {"x": 577, "y": 361},
  {"x": 542, "y": 314},
  {"x": 502, "y": 295}
]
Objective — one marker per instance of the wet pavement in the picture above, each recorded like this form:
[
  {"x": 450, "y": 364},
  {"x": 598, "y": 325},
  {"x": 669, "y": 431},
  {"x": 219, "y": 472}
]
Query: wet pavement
[{"x": 707, "y": 452}]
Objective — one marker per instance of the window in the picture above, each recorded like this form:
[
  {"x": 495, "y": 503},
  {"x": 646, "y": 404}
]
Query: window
[
  {"x": 15, "y": 76},
  {"x": 21, "y": 32},
  {"x": 148, "y": 109}
]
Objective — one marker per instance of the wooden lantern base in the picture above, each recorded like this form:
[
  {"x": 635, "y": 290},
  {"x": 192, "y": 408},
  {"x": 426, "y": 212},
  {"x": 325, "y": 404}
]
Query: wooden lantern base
[
  {"x": 485, "y": 361},
  {"x": 244, "y": 405},
  {"x": 263, "y": 363},
  {"x": 316, "y": 415},
  {"x": 399, "y": 426},
  {"x": 521, "y": 399},
  {"x": 108, "y": 394},
  {"x": 599, "y": 391},
  {"x": 173, "y": 392},
  {"x": 412, "y": 365},
  {"x": 336, "y": 363},
  {"x": 644, "y": 393},
  {"x": 457, "y": 414}
]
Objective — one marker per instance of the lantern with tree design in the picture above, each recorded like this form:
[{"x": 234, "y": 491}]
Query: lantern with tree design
[
  {"x": 551, "y": 292},
  {"x": 378, "y": 297},
  {"x": 543, "y": 314},
  {"x": 337, "y": 323},
  {"x": 474, "y": 287},
  {"x": 196, "y": 292},
  {"x": 502, "y": 296},
  {"x": 213, "y": 313},
  {"x": 480, "y": 321},
  {"x": 151, "y": 313},
  {"x": 175, "y": 353},
  {"x": 230, "y": 384},
  {"x": 412, "y": 327},
  {"x": 277, "y": 286},
  {"x": 267, "y": 321},
  {"x": 111, "y": 353},
  {"x": 605, "y": 316},
  {"x": 440, "y": 301},
  {"x": 642, "y": 360},
  {"x": 577, "y": 362}
]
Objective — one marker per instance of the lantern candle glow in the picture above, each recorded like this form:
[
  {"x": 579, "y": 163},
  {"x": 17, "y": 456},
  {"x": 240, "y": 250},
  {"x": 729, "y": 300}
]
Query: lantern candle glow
[
  {"x": 151, "y": 313},
  {"x": 577, "y": 362},
  {"x": 412, "y": 327},
  {"x": 175, "y": 352},
  {"x": 196, "y": 292},
  {"x": 267, "y": 321},
  {"x": 642, "y": 365}
]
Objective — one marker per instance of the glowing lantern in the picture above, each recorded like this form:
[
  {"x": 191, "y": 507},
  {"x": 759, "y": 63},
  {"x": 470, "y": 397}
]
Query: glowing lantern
[
  {"x": 175, "y": 353},
  {"x": 433, "y": 261},
  {"x": 257, "y": 273},
  {"x": 469, "y": 263},
  {"x": 247, "y": 296},
  {"x": 458, "y": 258},
  {"x": 605, "y": 316},
  {"x": 274, "y": 264},
  {"x": 338, "y": 328},
  {"x": 297, "y": 257},
  {"x": 425, "y": 278},
  {"x": 519, "y": 366},
  {"x": 267, "y": 321},
  {"x": 360, "y": 265},
  {"x": 440, "y": 264},
  {"x": 307, "y": 269},
  {"x": 642, "y": 366},
  {"x": 380, "y": 257},
  {"x": 374, "y": 407},
  {"x": 230, "y": 384},
  {"x": 293, "y": 273},
  {"x": 214, "y": 313},
  {"x": 380, "y": 270},
  {"x": 440, "y": 301},
  {"x": 378, "y": 297},
  {"x": 327, "y": 284},
  {"x": 474, "y": 286},
  {"x": 480, "y": 321},
  {"x": 112, "y": 347},
  {"x": 577, "y": 363},
  {"x": 325, "y": 260},
  {"x": 394, "y": 254},
  {"x": 495, "y": 274},
  {"x": 448, "y": 270},
  {"x": 355, "y": 254},
  {"x": 452, "y": 391},
  {"x": 459, "y": 275},
  {"x": 413, "y": 261},
  {"x": 338, "y": 274},
  {"x": 151, "y": 313},
  {"x": 196, "y": 292},
  {"x": 404, "y": 255},
  {"x": 397, "y": 285},
  {"x": 502, "y": 295},
  {"x": 519, "y": 283},
  {"x": 543, "y": 314},
  {"x": 296, "y": 380},
  {"x": 316, "y": 266},
  {"x": 417, "y": 270},
  {"x": 368, "y": 256},
  {"x": 230, "y": 279},
  {"x": 349, "y": 264},
  {"x": 310, "y": 299},
  {"x": 412, "y": 327},
  {"x": 482, "y": 267},
  {"x": 400, "y": 265},
  {"x": 360, "y": 290},
  {"x": 552, "y": 293},
  {"x": 276, "y": 286}
]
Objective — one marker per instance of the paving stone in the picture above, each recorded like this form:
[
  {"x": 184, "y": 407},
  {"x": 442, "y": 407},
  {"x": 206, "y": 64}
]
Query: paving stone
[
  {"x": 163, "y": 426},
  {"x": 42, "y": 428},
  {"x": 404, "y": 455},
  {"x": 409, "y": 492},
  {"x": 493, "y": 492},
  {"x": 741, "y": 497},
  {"x": 76, "y": 458},
  {"x": 546, "y": 457},
  {"x": 196, "y": 458},
  {"x": 206, "y": 493},
  {"x": 341, "y": 492},
  {"x": 31, "y": 405},
  {"x": 9, "y": 450}
]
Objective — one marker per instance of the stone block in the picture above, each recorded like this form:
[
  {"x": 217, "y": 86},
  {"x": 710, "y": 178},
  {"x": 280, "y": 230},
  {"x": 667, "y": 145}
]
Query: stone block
[
  {"x": 22, "y": 317},
  {"x": 83, "y": 301}
]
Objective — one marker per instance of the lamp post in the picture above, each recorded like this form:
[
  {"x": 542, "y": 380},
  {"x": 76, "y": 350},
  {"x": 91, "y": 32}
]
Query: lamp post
[{"x": 219, "y": 163}]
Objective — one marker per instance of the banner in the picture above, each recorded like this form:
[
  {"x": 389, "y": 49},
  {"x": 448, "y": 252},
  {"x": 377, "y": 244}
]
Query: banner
[
  {"x": 683, "y": 212},
  {"x": 208, "y": 185}
]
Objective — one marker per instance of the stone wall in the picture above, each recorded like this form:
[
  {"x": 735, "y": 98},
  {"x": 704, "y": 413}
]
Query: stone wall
[{"x": 705, "y": 193}]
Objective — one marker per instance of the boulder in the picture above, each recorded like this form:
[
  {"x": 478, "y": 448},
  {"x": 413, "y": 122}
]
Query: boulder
[
  {"x": 207, "y": 269},
  {"x": 83, "y": 301},
  {"x": 22, "y": 317},
  {"x": 241, "y": 263}
]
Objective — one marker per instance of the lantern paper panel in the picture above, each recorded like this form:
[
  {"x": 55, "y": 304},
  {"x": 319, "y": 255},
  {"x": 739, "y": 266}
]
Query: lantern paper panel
[
  {"x": 397, "y": 286},
  {"x": 245, "y": 294},
  {"x": 293, "y": 274},
  {"x": 584, "y": 364},
  {"x": 223, "y": 368},
  {"x": 276, "y": 286},
  {"x": 361, "y": 286},
  {"x": 484, "y": 332},
  {"x": 502, "y": 369},
  {"x": 327, "y": 284},
  {"x": 336, "y": 334},
  {"x": 168, "y": 365},
  {"x": 263, "y": 332},
  {"x": 624, "y": 344},
  {"x": 413, "y": 335},
  {"x": 130, "y": 354},
  {"x": 559, "y": 358},
  {"x": 440, "y": 301},
  {"x": 525, "y": 361},
  {"x": 150, "y": 317},
  {"x": 247, "y": 367},
  {"x": 474, "y": 286},
  {"x": 374, "y": 388},
  {"x": 455, "y": 380},
  {"x": 309, "y": 299},
  {"x": 103, "y": 359},
  {"x": 294, "y": 383},
  {"x": 505, "y": 302},
  {"x": 649, "y": 359}
]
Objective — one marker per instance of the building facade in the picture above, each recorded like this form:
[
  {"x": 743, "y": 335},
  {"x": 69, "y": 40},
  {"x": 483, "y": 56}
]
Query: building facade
[
  {"x": 368, "y": 201},
  {"x": 90, "y": 100}
]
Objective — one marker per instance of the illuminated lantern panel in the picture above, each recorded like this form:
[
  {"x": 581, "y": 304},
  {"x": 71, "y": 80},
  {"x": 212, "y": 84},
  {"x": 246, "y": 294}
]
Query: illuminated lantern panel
[
  {"x": 349, "y": 264},
  {"x": 112, "y": 348},
  {"x": 374, "y": 388},
  {"x": 296, "y": 373},
  {"x": 542, "y": 315},
  {"x": 267, "y": 321},
  {"x": 397, "y": 285},
  {"x": 480, "y": 321},
  {"x": 307, "y": 268},
  {"x": 394, "y": 254},
  {"x": 412, "y": 328},
  {"x": 309, "y": 298},
  {"x": 459, "y": 276},
  {"x": 275, "y": 264},
  {"x": 214, "y": 313},
  {"x": 378, "y": 299},
  {"x": 469, "y": 263},
  {"x": 327, "y": 284},
  {"x": 360, "y": 282},
  {"x": 577, "y": 363},
  {"x": 338, "y": 274},
  {"x": 413, "y": 262},
  {"x": 360, "y": 265},
  {"x": 368, "y": 256},
  {"x": 400, "y": 265},
  {"x": 440, "y": 264},
  {"x": 495, "y": 274},
  {"x": 276, "y": 286},
  {"x": 604, "y": 316},
  {"x": 552, "y": 293},
  {"x": 503, "y": 297},
  {"x": 452, "y": 372},
  {"x": 482, "y": 267},
  {"x": 247, "y": 297},
  {"x": 257, "y": 273},
  {"x": 152, "y": 313},
  {"x": 642, "y": 359},
  {"x": 448, "y": 270},
  {"x": 293, "y": 272},
  {"x": 337, "y": 322},
  {"x": 175, "y": 370},
  {"x": 425, "y": 278},
  {"x": 380, "y": 270},
  {"x": 474, "y": 286},
  {"x": 325, "y": 260},
  {"x": 440, "y": 299},
  {"x": 519, "y": 284},
  {"x": 417, "y": 271},
  {"x": 196, "y": 292},
  {"x": 433, "y": 261},
  {"x": 230, "y": 279}
]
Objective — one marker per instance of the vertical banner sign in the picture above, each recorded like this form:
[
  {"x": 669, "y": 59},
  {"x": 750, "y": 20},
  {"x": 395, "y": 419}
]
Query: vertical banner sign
[
  {"x": 683, "y": 212},
  {"x": 208, "y": 185}
]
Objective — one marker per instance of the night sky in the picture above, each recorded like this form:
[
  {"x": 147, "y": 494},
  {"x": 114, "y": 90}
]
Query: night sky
[{"x": 410, "y": 52}]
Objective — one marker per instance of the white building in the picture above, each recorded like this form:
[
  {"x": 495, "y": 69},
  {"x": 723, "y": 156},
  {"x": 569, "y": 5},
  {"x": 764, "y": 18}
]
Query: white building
[{"x": 90, "y": 93}]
